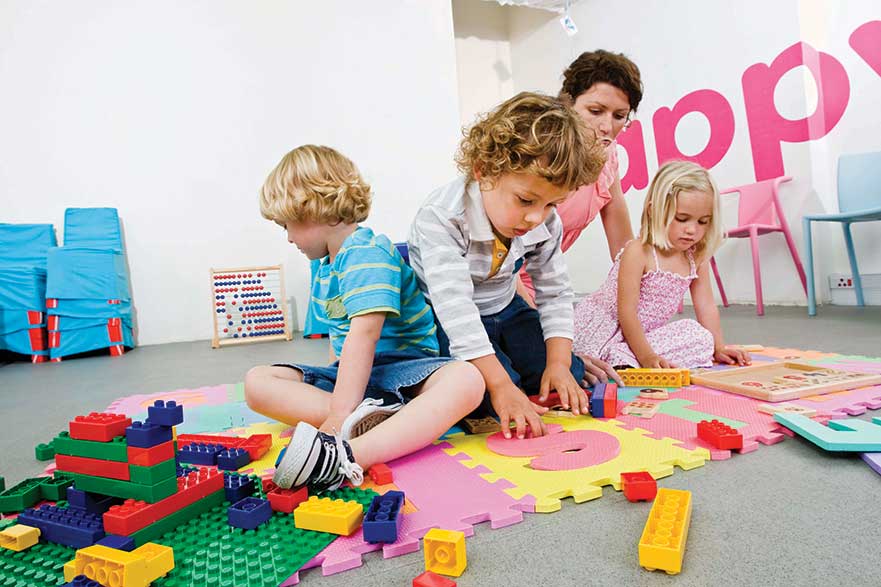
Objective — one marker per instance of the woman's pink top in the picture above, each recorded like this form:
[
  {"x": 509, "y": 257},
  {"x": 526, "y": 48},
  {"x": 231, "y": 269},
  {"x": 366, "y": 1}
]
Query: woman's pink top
[{"x": 583, "y": 205}]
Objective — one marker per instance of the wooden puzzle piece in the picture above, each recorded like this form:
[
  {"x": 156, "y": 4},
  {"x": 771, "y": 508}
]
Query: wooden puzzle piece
[
  {"x": 481, "y": 425},
  {"x": 653, "y": 393},
  {"x": 786, "y": 408},
  {"x": 641, "y": 409}
]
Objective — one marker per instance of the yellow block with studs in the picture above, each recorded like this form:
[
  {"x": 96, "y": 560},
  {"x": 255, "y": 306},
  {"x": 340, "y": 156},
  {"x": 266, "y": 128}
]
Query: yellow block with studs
[
  {"x": 19, "y": 537},
  {"x": 323, "y": 514},
  {"x": 445, "y": 552},
  {"x": 662, "y": 544},
  {"x": 656, "y": 377},
  {"x": 109, "y": 566}
]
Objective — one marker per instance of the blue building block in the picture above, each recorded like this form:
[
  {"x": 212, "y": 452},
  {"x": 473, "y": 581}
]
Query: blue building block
[
  {"x": 383, "y": 520},
  {"x": 237, "y": 487},
  {"x": 249, "y": 513},
  {"x": 199, "y": 453},
  {"x": 840, "y": 435},
  {"x": 232, "y": 459},
  {"x": 82, "y": 581},
  {"x": 597, "y": 395},
  {"x": 126, "y": 543},
  {"x": 168, "y": 413},
  {"x": 74, "y": 528},
  {"x": 89, "y": 502},
  {"x": 146, "y": 434}
]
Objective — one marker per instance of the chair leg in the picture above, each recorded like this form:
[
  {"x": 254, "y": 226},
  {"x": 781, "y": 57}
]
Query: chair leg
[
  {"x": 852, "y": 257},
  {"x": 757, "y": 270},
  {"x": 795, "y": 258},
  {"x": 809, "y": 251},
  {"x": 719, "y": 281}
]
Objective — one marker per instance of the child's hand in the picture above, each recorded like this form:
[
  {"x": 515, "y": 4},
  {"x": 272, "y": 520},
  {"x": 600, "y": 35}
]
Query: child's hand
[
  {"x": 656, "y": 362},
  {"x": 729, "y": 355},
  {"x": 333, "y": 424},
  {"x": 512, "y": 405},
  {"x": 557, "y": 377},
  {"x": 596, "y": 371}
]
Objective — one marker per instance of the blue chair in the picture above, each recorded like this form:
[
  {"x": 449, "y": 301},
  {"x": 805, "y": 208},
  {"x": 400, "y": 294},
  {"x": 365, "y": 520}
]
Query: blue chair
[{"x": 859, "y": 200}]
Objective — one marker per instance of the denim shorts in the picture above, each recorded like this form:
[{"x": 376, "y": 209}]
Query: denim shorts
[{"x": 393, "y": 372}]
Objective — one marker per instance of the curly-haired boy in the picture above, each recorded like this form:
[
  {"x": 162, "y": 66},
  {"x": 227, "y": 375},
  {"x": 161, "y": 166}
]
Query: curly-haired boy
[{"x": 471, "y": 237}]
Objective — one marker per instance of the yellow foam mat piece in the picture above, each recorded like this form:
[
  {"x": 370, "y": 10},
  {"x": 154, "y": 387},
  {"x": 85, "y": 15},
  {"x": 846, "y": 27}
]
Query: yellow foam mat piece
[{"x": 638, "y": 452}]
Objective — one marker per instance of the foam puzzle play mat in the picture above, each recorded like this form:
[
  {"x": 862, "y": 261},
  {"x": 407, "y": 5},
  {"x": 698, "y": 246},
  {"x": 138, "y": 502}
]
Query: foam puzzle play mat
[{"x": 174, "y": 488}]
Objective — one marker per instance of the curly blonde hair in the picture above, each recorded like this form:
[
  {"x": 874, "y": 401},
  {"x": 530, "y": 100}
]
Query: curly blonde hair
[
  {"x": 532, "y": 133},
  {"x": 318, "y": 184},
  {"x": 659, "y": 209}
]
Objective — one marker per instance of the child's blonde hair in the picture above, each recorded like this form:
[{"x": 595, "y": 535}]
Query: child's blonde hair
[
  {"x": 659, "y": 209},
  {"x": 536, "y": 134},
  {"x": 314, "y": 183}
]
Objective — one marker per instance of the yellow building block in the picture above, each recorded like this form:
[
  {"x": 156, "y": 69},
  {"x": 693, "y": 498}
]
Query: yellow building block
[
  {"x": 445, "y": 552},
  {"x": 19, "y": 537},
  {"x": 662, "y": 545},
  {"x": 118, "y": 568},
  {"x": 323, "y": 514},
  {"x": 657, "y": 377}
]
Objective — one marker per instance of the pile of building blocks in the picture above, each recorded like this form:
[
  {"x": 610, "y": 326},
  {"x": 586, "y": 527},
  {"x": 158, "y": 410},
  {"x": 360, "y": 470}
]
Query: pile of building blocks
[
  {"x": 108, "y": 566},
  {"x": 445, "y": 552},
  {"x": 655, "y": 377},
  {"x": 323, "y": 514},
  {"x": 639, "y": 486},
  {"x": 719, "y": 435},
  {"x": 382, "y": 522},
  {"x": 662, "y": 545},
  {"x": 604, "y": 400}
]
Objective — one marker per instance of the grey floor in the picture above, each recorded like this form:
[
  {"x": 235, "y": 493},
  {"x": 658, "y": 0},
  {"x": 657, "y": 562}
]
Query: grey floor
[{"x": 787, "y": 514}]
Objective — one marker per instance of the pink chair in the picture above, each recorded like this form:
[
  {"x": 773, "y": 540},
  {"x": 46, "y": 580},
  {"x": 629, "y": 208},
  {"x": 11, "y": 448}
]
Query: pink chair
[{"x": 759, "y": 212}]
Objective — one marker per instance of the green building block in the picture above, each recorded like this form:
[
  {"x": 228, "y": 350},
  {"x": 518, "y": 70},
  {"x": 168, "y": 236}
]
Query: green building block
[
  {"x": 55, "y": 488},
  {"x": 2, "y": 484},
  {"x": 41, "y": 565},
  {"x": 115, "y": 450},
  {"x": 22, "y": 496},
  {"x": 152, "y": 475},
  {"x": 126, "y": 489},
  {"x": 44, "y": 452},
  {"x": 170, "y": 523}
]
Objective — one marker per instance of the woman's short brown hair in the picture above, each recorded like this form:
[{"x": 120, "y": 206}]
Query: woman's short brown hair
[
  {"x": 536, "y": 134},
  {"x": 593, "y": 67}
]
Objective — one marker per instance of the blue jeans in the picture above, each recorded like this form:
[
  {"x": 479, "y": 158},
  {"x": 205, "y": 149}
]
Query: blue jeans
[
  {"x": 392, "y": 373},
  {"x": 518, "y": 341}
]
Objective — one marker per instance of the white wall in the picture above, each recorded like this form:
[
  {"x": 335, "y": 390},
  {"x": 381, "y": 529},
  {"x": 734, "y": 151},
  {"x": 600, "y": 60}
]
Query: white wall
[
  {"x": 174, "y": 112},
  {"x": 690, "y": 45}
]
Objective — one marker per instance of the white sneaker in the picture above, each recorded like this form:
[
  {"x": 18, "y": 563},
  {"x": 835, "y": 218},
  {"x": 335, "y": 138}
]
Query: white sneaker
[
  {"x": 369, "y": 413},
  {"x": 321, "y": 461}
]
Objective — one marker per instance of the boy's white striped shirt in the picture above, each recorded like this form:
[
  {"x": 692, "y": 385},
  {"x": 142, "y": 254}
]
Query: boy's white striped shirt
[{"x": 451, "y": 244}]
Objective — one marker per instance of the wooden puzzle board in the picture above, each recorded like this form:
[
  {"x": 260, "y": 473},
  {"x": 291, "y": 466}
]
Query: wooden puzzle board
[
  {"x": 782, "y": 381},
  {"x": 249, "y": 305}
]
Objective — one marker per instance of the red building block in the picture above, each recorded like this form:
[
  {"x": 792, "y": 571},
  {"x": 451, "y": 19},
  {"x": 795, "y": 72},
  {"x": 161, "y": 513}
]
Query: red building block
[
  {"x": 147, "y": 457},
  {"x": 284, "y": 500},
  {"x": 133, "y": 515},
  {"x": 99, "y": 426},
  {"x": 257, "y": 445},
  {"x": 95, "y": 467},
  {"x": 610, "y": 401},
  {"x": 381, "y": 474},
  {"x": 429, "y": 579},
  {"x": 639, "y": 486},
  {"x": 719, "y": 435}
]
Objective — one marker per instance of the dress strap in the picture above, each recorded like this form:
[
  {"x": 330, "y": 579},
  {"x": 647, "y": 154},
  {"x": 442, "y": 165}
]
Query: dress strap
[
  {"x": 621, "y": 252},
  {"x": 691, "y": 262},
  {"x": 655, "y": 255}
]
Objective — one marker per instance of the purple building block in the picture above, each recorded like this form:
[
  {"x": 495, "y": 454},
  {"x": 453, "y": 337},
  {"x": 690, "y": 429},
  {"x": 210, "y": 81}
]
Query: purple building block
[
  {"x": 237, "y": 487},
  {"x": 74, "y": 528},
  {"x": 249, "y": 513},
  {"x": 146, "y": 434},
  {"x": 383, "y": 520},
  {"x": 168, "y": 413},
  {"x": 232, "y": 459},
  {"x": 199, "y": 453}
]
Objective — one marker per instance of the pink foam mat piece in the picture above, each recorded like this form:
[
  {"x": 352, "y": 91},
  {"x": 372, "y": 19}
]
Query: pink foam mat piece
[
  {"x": 213, "y": 395},
  {"x": 559, "y": 452},
  {"x": 447, "y": 495}
]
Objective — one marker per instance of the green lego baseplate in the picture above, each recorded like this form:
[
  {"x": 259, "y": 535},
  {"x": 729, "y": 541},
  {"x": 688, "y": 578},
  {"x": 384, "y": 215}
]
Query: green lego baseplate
[{"x": 40, "y": 565}]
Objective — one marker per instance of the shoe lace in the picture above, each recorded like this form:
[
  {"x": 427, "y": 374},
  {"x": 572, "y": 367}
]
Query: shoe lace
[{"x": 350, "y": 469}]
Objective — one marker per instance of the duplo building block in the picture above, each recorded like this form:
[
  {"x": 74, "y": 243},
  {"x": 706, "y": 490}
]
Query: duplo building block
[
  {"x": 445, "y": 552},
  {"x": 182, "y": 516},
  {"x": 89, "y": 502},
  {"x": 284, "y": 500},
  {"x": 597, "y": 403},
  {"x": 87, "y": 466},
  {"x": 98, "y": 427},
  {"x": 82, "y": 581},
  {"x": 160, "y": 559},
  {"x": 249, "y": 513},
  {"x": 323, "y": 514},
  {"x": 20, "y": 496},
  {"x": 147, "y": 457},
  {"x": 840, "y": 435},
  {"x": 112, "y": 567},
  {"x": 133, "y": 515},
  {"x": 383, "y": 520},
  {"x": 126, "y": 489},
  {"x": 639, "y": 486},
  {"x": 429, "y": 579},
  {"x": 719, "y": 434},
  {"x": 662, "y": 545},
  {"x": 44, "y": 452},
  {"x": 381, "y": 474},
  {"x": 610, "y": 400},
  {"x": 153, "y": 474},
  {"x": 655, "y": 377},
  {"x": 232, "y": 459},
  {"x": 146, "y": 434},
  {"x": 115, "y": 450},
  {"x": 168, "y": 413},
  {"x": 74, "y": 528},
  {"x": 125, "y": 543},
  {"x": 198, "y": 453},
  {"x": 237, "y": 487},
  {"x": 55, "y": 488},
  {"x": 19, "y": 537},
  {"x": 257, "y": 445}
]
